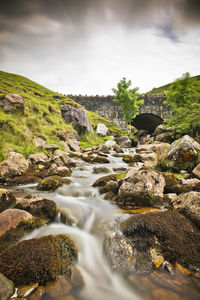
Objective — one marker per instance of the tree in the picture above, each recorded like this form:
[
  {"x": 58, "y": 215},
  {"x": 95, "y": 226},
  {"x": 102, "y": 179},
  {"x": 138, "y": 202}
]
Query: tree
[
  {"x": 183, "y": 97},
  {"x": 127, "y": 99}
]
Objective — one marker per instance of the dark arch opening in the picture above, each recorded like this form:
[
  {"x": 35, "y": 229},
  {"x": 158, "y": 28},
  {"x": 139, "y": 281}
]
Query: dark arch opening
[{"x": 147, "y": 122}]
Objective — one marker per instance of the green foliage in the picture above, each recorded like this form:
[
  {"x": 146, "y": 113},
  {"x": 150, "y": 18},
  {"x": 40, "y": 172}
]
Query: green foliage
[
  {"x": 183, "y": 98},
  {"x": 163, "y": 89},
  {"x": 128, "y": 99}
]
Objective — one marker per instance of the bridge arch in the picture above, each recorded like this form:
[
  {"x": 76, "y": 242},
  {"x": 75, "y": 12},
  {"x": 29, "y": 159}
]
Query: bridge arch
[{"x": 147, "y": 121}]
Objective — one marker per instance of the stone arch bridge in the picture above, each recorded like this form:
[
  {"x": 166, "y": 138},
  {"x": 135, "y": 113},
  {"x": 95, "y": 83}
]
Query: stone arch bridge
[{"x": 151, "y": 114}]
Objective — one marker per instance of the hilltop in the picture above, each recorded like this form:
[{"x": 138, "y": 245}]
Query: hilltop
[
  {"x": 41, "y": 116},
  {"x": 162, "y": 89}
]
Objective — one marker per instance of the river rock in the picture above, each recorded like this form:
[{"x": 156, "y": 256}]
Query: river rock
[
  {"x": 7, "y": 200},
  {"x": 148, "y": 158},
  {"x": 7, "y": 288},
  {"x": 171, "y": 233},
  {"x": 12, "y": 102},
  {"x": 13, "y": 165},
  {"x": 102, "y": 129},
  {"x": 75, "y": 114},
  {"x": 189, "y": 205},
  {"x": 51, "y": 183},
  {"x": 101, "y": 159},
  {"x": 103, "y": 180},
  {"x": 160, "y": 149},
  {"x": 160, "y": 129},
  {"x": 110, "y": 143},
  {"x": 142, "y": 187},
  {"x": 104, "y": 149},
  {"x": 118, "y": 149},
  {"x": 59, "y": 171},
  {"x": 38, "y": 158},
  {"x": 124, "y": 142},
  {"x": 183, "y": 153},
  {"x": 112, "y": 186},
  {"x": 196, "y": 171},
  {"x": 39, "y": 260},
  {"x": 39, "y": 207},
  {"x": 14, "y": 223},
  {"x": 119, "y": 252},
  {"x": 98, "y": 170},
  {"x": 167, "y": 137},
  {"x": 58, "y": 288},
  {"x": 61, "y": 158},
  {"x": 74, "y": 145}
]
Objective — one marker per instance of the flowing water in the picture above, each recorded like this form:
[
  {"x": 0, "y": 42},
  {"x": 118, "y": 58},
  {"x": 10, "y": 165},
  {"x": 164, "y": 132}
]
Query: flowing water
[{"x": 100, "y": 281}]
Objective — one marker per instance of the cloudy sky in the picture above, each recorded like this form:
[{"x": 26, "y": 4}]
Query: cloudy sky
[{"x": 87, "y": 46}]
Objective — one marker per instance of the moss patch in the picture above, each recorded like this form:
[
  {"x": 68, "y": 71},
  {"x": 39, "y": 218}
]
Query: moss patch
[{"x": 39, "y": 260}]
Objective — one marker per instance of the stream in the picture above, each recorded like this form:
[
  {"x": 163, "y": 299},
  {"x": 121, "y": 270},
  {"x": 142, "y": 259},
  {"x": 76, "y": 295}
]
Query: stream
[{"x": 100, "y": 282}]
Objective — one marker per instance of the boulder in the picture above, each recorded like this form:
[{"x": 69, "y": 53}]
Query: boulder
[
  {"x": 62, "y": 135},
  {"x": 124, "y": 142},
  {"x": 142, "y": 187},
  {"x": 101, "y": 159},
  {"x": 118, "y": 149},
  {"x": 146, "y": 140},
  {"x": 160, "y": 129},
  {"x": 189, "y": 205},
  {"x": 12, "y": 102},
  {"x": 160, "y": 149},
  {"x": 75, "y": 114},
  {"x": 102, "y": 129},
  {"x": 119, "y": 252},
  {"x": 59, "y": 171},
  {"x": 74, "y": 144},
  {"x": 61, "y": 158},
  {"x": 103, "y": 180},
  {"x": 7, "y": 200},
  {"x": 14, "y": 224},
  {"x": 39, "y": 207},
  {"x": 167, "y": 137},
  {"x": 98, "y": 170},
  {"x": 196, "y": 171},
  {"x": 51, "y": 183},
  {"x": 7, "y": 288},
  {"x": 65, "y": 146},
  {"x": 112, "y": 186},
  {"x": 39, "y": 260},
  {"x": 13, "y": 165},
  {"x": 168, "y": 232},
  {"x": 183, "y": 153},
  {"x": 39, "y": 141},
  {"x": 104, "y": 149},
  {"x": 38, "y": 158},
  {"x": 148, "y": 158},
  {"x": 50, "y": 147},
  {"x": 110, "y": 143}
]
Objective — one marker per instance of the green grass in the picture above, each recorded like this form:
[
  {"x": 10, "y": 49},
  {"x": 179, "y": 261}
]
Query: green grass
[
  {"x": 113, "y": 130},
  {"x": 41, "y": 116}
]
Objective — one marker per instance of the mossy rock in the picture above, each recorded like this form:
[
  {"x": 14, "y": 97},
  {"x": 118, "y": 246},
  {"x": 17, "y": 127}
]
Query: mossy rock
[
  {"x": 175, "y": 235},
  {"x": 103, "y": 180},
  {"x": 7, "y": 200},
  {"x": 51, "y": 183},
  {"x": 13, "y": 235},
  {"x": 39, "y": 207},
  {"x": 39, "y": 260}
]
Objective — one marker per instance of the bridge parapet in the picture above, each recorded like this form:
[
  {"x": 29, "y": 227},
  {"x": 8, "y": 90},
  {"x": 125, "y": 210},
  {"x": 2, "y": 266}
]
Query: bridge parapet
[{"x": 107, "y": 108}]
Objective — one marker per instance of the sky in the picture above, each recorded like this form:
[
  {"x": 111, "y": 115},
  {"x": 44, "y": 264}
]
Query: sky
[{"x": 88, "y": 46}]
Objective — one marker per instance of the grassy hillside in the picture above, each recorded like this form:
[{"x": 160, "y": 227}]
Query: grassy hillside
[
  {"x": 160, "y": 90},
  {"x": 41, "y": 116}
]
